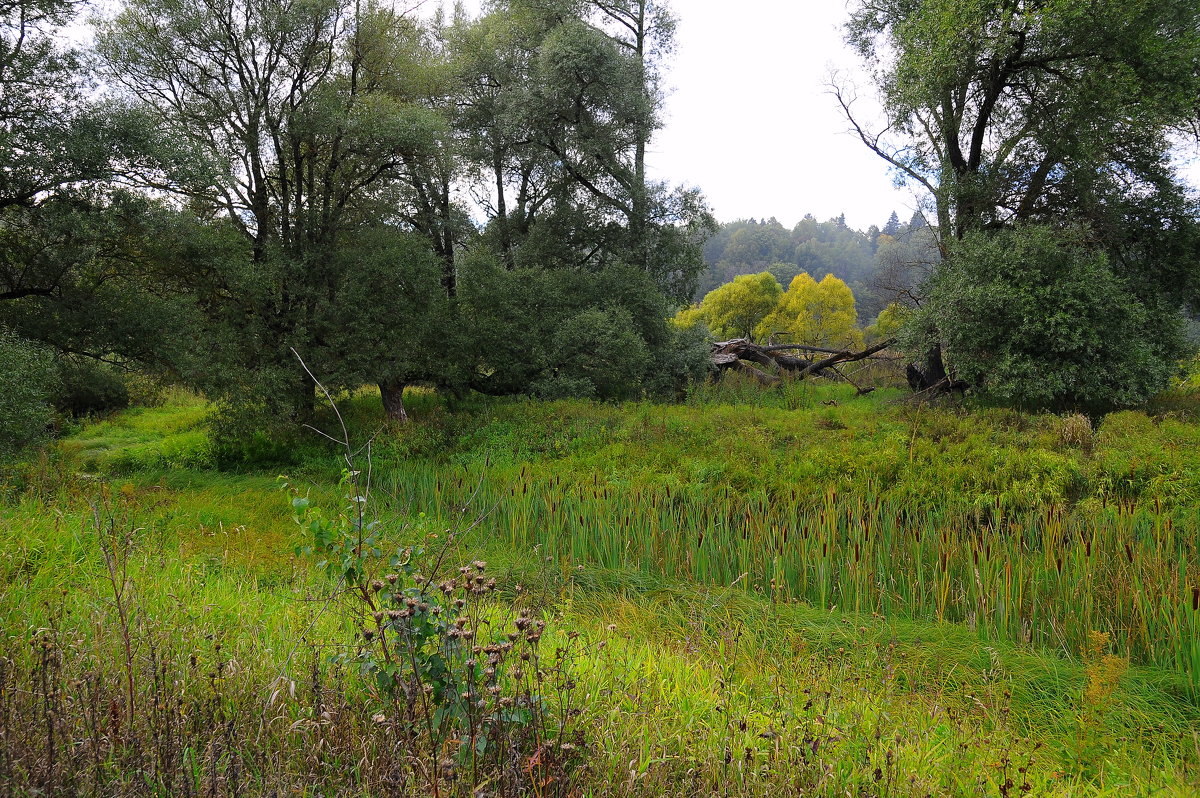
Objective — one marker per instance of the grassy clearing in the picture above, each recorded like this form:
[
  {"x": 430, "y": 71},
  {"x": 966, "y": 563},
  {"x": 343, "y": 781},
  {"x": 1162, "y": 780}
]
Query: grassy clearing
[{"x": 843, "y": 675}]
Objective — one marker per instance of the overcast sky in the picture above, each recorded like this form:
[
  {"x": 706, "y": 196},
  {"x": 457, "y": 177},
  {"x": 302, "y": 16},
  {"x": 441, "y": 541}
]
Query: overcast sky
[{"x": 751, "y": 123}]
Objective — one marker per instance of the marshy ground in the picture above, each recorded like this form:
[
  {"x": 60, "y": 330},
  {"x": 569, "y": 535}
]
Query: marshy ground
[{"x": 799, "y": 592}]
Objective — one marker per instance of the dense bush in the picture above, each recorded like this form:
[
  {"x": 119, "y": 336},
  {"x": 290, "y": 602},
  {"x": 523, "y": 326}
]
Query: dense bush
[
  {"x": 559, "y": 333},
  {"x": 1035, "y": 317},
  {"x": 25, "y": 400},
  {"x": 87, "y": 387}
]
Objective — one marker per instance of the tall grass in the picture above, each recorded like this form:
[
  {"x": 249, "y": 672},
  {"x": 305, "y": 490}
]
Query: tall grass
[
  {"x": 696, "y": 549},
  {"x": 1046, "y": 578},
  {"x": 1031, "y": 529}
]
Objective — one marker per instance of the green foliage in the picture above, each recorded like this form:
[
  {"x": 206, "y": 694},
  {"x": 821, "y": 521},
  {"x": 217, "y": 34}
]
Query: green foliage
[
  {"x": 735, "y": 310},
  {"x": 1189, "y": 378},
  {"x": 87, "y": 387},
  {"x": 1036, "y": 317},
  {"x": 1055, "y": 113},
  {"x": 26, "y": 408},
  {"x": 596, "y": 353},
  {"x": 328, "y": 153},
  {"x": 887, "y": 324},
  {"x": 829, "y": 247},
  {"x": 558, "y": 332},
  {"x": 319, "y": 208},
  {"x": 1005, "y": 111},
  {"x": 467, "y": 694},
  {"x": 390, "y": 320},
  {"x": 570, "y": 93}
]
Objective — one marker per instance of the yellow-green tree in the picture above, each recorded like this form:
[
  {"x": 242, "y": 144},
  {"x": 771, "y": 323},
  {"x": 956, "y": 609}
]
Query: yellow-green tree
[
  {"x": 888, "y": 322},
  {"x": 735, "y": 309},
  {"x": 689, "y": 317},
  {"x": 815, "y": 314}
]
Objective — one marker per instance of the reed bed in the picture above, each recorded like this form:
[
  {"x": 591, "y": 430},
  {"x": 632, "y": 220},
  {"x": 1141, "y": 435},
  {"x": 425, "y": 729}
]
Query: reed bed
[{"x": 1045, "y": 578}]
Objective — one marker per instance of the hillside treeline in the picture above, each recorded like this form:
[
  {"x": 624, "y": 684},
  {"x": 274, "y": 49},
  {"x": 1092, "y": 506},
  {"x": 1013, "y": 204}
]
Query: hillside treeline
[{"x": 878, "y": 264}]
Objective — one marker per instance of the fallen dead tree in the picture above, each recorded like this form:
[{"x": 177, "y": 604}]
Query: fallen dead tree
[{"x": 742, "y": 354}]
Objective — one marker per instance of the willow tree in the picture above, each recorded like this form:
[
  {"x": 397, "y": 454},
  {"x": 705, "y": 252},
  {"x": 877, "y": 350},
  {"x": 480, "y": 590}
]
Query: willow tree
[
  {"x": 1051, "y": 113},
  {"x": 286, "y": 123},
  {"x": 557, "y": 101},
  {"x": 815, "y": 313},
  {"x": 737, "y": 309},
  {"x": 71, "y": 271}
]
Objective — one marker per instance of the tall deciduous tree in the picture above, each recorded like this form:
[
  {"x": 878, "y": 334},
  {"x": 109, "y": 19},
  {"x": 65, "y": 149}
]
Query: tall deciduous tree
[
  {"x": 1011, "y": 110},
  {"x": 559, "y": 102},
  {"x": 284, "y": 120},
  {"x": 73, "y": 270},
  {"x": 1049, "y": 112},
  {"x": 736, "y": 309},
  {"x": 815, "y": 314}
]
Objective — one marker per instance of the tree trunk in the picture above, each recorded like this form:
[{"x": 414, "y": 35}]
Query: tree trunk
[
  {"x": 392, "y": 393},
  {"x": 734, "y": 354},
  {"x": 933, "y": 377}
]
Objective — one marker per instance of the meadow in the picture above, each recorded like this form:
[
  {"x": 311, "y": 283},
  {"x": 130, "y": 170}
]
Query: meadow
[{"x": 799, "y": 591}]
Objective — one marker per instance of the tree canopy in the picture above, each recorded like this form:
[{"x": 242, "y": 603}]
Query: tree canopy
[
  {"x": 736, "y": 309},
  {"x": 1049, "y": 113},
  {"x": 814, "y": 313}
]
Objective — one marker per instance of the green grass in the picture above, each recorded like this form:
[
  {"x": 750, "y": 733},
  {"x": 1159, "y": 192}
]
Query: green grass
[{"x": 917, "y": 609}]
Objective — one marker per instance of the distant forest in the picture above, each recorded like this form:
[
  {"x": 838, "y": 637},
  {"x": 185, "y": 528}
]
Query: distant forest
[{"x": 881, "y": 265}]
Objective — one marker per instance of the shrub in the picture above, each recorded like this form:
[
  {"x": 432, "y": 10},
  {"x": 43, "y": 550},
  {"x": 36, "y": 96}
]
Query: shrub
[
  {"x": 1039, "y": 318},
  {"x": 87, "y": 387},
  {"x": 252, "y": 433},
  {"x": 25, "y": 401},
  {"x": 597, "y": 353},
  {"x": 1075, "y": 431}
]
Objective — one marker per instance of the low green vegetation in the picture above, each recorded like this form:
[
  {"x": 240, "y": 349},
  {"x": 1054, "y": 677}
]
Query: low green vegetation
[
  {"x": 746, "y": 593},
  {"x": 597, "y": 562}
]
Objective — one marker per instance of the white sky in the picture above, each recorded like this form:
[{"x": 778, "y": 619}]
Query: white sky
[{"x": 750, "y": 121}]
